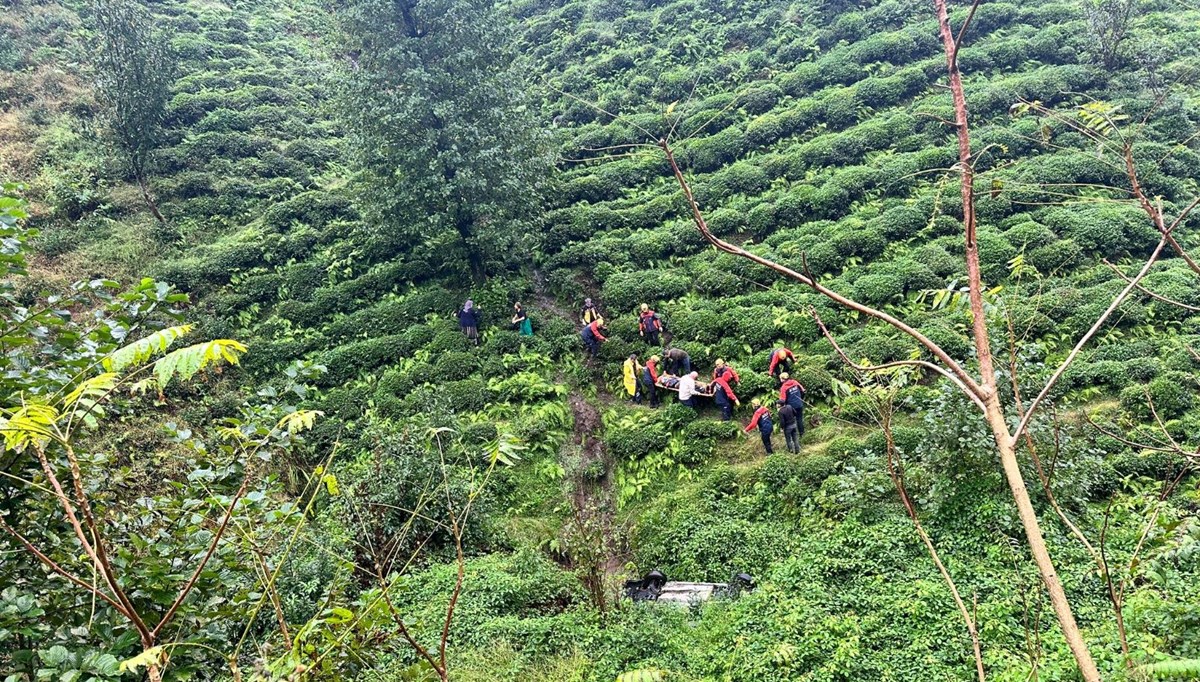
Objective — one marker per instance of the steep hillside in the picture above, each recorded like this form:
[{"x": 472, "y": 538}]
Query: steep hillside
[{"x": 814, "y": 134}]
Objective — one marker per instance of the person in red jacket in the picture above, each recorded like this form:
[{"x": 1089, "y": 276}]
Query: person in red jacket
[
  {"x": 650, "y": 380},
  {"x": 592, "y": 336},
  {"x": 762, "y": 419},
  {"x": 723, "y": 370},
  {"x": 649, "y": 325},
  {"x": 781, "y": 361},
  {"x": 792, "y": 393},
  {"x": 724, "y": 397}
]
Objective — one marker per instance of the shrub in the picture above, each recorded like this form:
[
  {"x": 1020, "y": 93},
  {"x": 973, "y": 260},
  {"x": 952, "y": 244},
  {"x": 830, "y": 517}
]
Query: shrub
[
  {"x": 1171, "y": 395},
  {"x": 452, "y": 366},
  {"x": 466, "y": 396},
  {"x": 625, "y": 290},
  {"x": 630, "y": 443},
  {"x": 675, "y": 416}
]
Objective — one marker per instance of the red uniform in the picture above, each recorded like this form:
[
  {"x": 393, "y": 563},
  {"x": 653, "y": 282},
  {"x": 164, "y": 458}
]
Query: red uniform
[
  {"x": 648, "y": 321},
  {"x": 787, "y": 385},
  {"x": 728, "y": 372},
  {"x": 758, "y": 414},
  {"x": 595, "y": 327},
  {"x": 723, "y": 382},
  {"x": 778, "y": 356},
  {"x": 652, "y": 367}
]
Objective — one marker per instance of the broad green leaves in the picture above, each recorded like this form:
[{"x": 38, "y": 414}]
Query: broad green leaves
[
  {"x": 145, "y": 348},
  {"x": 186, "y": 362}
]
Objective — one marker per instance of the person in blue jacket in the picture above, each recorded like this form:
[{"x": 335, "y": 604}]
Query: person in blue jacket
[{"x": 762, "y": 419}]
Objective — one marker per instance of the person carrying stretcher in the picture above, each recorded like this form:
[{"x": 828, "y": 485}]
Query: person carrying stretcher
[
  {"x": 723, "y": 370},
  {"x": 650, "y": 380},
  {"x": 678, "y": 362}
]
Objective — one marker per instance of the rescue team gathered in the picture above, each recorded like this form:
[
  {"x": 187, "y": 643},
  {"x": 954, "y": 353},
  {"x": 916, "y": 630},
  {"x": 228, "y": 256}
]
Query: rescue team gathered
[{"x": 672, "y": 371}]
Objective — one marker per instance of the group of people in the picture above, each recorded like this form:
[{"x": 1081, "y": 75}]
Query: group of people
[{"x": 673, "y": 371}]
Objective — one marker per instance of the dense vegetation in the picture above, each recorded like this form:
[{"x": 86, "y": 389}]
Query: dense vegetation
[{"x": 313, "y": 512}]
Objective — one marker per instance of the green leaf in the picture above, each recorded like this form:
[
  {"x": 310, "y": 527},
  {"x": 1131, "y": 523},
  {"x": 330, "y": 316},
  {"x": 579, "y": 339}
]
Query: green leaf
[
  {"x": 185, "y": 362},
  {"x": 143, "y": 349},
  {"x": 55, "y": 655},
  {"x": 149, "y": 657},
  {"x": 643, "y": 675}
]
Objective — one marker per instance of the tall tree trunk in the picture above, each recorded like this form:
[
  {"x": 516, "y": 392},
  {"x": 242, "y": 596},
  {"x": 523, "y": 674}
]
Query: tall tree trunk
[
  {"x": 464, "y": 224},
  {"x": 1037, "y": 544},
  {"x": 150, "y": 203}
]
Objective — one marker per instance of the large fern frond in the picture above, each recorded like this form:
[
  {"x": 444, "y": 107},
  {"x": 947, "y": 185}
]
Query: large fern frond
[
  {"x": 185, "y": 362},
  {"x": 145, "y": 348}
]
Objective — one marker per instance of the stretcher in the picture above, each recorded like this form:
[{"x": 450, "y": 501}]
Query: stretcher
[{"x": 671, "y": 383}]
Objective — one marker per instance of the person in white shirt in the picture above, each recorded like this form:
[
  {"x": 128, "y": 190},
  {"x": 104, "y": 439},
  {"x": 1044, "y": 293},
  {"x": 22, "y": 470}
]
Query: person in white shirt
[{"x": 687, "y": 388}]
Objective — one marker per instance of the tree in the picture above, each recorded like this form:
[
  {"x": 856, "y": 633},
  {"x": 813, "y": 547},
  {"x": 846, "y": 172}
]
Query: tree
[
  {"x": 1108, "y": 23},
  {"x": 439, "y": 120},
  {"x": 1007, "y": 416},
  {"x": 135, "y": 68}
]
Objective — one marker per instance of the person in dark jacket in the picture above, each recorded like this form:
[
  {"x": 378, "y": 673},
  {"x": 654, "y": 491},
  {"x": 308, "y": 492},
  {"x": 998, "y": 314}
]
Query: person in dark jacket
[
  {"x": 650, "y": 380},
  {"x": 520, "y": 320},
  {"x": 468, "y": 321},
  {"x": 649, "y": 325},
  {"x": 762, "y": 419},
  {"x": 725, "y": 398},
  {"x": 678, "y": 362},
  {"x": 590, "y": 314},
  {"x": 792, "y": 393},
  {"x": 592, "y": 336},
  {"x": 789, "y": 419}
]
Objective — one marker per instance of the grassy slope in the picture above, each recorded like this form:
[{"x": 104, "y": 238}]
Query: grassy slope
[{"x": 806, "y": 132}]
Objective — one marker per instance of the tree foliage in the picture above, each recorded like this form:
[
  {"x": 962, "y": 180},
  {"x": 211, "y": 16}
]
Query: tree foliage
[{"x": 440, "y": 119}]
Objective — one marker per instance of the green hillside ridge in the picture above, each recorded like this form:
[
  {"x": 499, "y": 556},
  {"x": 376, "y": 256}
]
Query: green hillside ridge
[{"x": 813, "y": 134}]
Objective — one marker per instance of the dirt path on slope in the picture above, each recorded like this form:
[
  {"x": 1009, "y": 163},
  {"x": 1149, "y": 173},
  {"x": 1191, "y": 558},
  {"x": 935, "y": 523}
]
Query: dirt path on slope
[{"x": 592, "y": 499}]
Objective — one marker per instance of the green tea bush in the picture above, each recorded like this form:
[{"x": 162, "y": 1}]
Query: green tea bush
[
  {"x": 635, "y": 442},
  {"x": 625, "y": 290},
  {"x": 452, "y": 366},
  {"x": 1171, "y": 394},
  {"x": 465, "y": 396}
]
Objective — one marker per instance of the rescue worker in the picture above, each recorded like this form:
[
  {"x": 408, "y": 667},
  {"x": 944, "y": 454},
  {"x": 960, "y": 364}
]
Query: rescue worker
[
  {"x": 781, "y": 361},
  {"x": 468, "y": 321},
  {"x": 762, "y": 419},
  {"x": 789, "y": 419},
  {"x": 687, "y": 389},
  {"x": 650, "y": 380},
  {"x": 724, "y": 397},
  {"x": 649, "y": 325},
  {"x": 592, "y": 336},
  {"x": 590, "y": 314},
  {"x": 792, "y": 393},
  {"x": 629, "y": 376},
  {"x": 678, "y": 362},
  {"x": 723, "y": 370},
  {"x": 520, "y": 320}
]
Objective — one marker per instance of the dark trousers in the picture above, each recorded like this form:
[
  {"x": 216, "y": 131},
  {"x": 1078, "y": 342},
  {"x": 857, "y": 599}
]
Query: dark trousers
[
  {"x": 592, "y": 344},
  {"x": 726, "y": 411},
  {"x": 652, "y": 337},
  {"x": 766, "y": 439},
  {"x": 680, "y": 367},
  {"x": 651, "y": 392},
  {"x": 690, "y": 402},
  {"x": 792, "y": 435},
  {"x": 783, "y": 366}
]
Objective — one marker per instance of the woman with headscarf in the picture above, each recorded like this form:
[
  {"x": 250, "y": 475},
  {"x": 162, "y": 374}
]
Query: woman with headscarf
[{"x": 468, "y": 321}]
